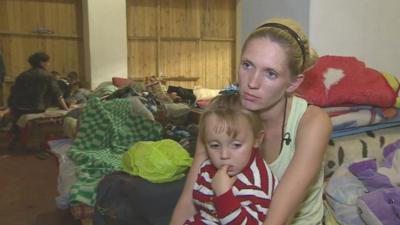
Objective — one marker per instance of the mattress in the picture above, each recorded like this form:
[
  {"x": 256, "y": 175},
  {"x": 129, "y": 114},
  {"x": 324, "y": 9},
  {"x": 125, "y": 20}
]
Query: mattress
[{"x": 362, "y": 145}]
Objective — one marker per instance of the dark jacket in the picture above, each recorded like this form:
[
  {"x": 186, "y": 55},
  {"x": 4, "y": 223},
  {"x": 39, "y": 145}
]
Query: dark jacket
[{"x": 33, "y": 89}]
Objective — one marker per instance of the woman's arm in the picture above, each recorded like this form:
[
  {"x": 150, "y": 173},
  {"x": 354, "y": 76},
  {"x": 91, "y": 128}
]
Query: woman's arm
[
  {"x": 184, "y": 209},
  {"x": 311, "y": 141}
]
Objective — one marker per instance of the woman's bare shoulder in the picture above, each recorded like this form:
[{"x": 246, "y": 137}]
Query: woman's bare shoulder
[
  {"x": 315, "y": 123},
  {"x": 315, "y": 116}
]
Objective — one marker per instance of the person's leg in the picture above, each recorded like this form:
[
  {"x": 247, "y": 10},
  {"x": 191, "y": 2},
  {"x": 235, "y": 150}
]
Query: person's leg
[
  {"x": 115, "y": 202},
  {"x": 156, "y": 202},
  {"x": 129, "y": 200},
  {"x": 15, "y": 131}
]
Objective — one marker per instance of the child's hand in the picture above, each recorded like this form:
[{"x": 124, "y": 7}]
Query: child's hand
[{"x": 222, "y": 182}]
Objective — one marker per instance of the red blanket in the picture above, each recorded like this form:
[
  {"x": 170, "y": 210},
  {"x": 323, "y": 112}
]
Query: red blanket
[{"x": 339, "y": 80}]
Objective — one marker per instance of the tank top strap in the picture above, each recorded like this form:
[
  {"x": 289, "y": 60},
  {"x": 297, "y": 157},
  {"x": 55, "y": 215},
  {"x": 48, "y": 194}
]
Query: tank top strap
[{"x": 297, "y": 109}]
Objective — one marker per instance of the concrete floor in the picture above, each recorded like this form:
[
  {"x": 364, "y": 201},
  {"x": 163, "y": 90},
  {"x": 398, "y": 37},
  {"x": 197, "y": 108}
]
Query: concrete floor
[{"x": 28, "y": 188}]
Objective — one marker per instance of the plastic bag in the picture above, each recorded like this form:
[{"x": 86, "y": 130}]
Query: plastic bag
[{"x": 158, "y": 162}]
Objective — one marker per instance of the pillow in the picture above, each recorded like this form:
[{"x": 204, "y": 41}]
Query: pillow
[
  {"x": 340, "y": 80},
  {"x": 120, "y": 81},
  {"x": 395, "y": 84},
  {"x": 205, "y": 93}
]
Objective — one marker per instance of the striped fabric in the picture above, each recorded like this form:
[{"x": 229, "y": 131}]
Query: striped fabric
[
  {"x": 246, "y": 203},
  {"x": 107, "y": 130}
]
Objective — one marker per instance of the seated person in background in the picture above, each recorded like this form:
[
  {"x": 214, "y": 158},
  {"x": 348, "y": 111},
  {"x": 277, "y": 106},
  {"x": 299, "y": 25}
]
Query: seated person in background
[
  {"x": 62, "y": 83},
  {"x": 76, "y": 94},
  {"x": 235, "y": 185},
  {"x": 70, "y": 88},
  {"x": 72, "y": 78},
  {"x": 34, "y": 89}
]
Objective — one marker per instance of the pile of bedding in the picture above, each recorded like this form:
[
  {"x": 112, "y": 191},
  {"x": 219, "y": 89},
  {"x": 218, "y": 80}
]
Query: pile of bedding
[
  {"x": 117, "y": 115},
  {"x": 107, "y": 130},
  {"x": 367, "y": 190},
  {"x": 359, "y": 100},
  {"x": 364, "y": 107},
  {"x": 356, "y": 97}
]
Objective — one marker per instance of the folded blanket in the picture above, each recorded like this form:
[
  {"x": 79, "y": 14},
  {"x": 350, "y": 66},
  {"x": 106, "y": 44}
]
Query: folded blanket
[
  {"x": 358, "y": 116},
  {"x": 380, "y": 207},
  {"x": 339, "y": 80},
  {"x": 107, "y": 130},
  {"x": 341, "y": 192},
  {"x": 381, "y": 204}
]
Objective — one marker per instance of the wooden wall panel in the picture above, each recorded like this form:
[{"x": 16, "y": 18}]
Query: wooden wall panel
[
  {"x": 218, "y": 65},
  {"x": 141, "y": 58},
  {"x": 192, "y": 39},
  {"x": 20, "y": 15},
  {"x": 180, "y": 18},
  {"x": 28, "y": 26},
  {"x": 180, "y": 59},
  {"x": 62, "y": 17},
  {"x": 219, "y": 19},
  {"x": 65, "y": 55},
  {"x": 4, "y": 19},
  {"x": 15, "y": 51},
  {"x": 59, "y": 16},
  {"x": 16, "y": 47},
  {"x": 142, "y": 18}
]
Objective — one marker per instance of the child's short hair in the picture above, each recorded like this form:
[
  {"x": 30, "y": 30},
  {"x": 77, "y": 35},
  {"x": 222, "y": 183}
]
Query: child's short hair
[{"x": 228, "y": 109}]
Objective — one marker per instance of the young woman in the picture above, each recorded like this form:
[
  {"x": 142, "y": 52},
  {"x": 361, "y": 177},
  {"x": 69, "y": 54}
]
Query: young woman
[{"x": 273, "y": 59}]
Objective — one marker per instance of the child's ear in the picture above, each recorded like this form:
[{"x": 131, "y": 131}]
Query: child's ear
[
  {"x": 258, "y": 139},
  {"x": 295, "y": 83}
]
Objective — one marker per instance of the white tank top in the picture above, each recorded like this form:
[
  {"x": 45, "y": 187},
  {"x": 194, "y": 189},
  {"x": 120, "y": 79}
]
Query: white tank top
[{"x": 311, "y": 209}]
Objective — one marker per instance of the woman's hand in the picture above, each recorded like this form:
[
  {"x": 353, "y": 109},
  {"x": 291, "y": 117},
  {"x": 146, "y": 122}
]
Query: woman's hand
[{"x": 222, "y": 182}]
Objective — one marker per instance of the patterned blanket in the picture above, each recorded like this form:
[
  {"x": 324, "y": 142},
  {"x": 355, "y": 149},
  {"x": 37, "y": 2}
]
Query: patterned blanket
[
  {"x": 348, "y": 120},
  {"x": 107, "y": 130},
  {"x": 346, "y": 149}
]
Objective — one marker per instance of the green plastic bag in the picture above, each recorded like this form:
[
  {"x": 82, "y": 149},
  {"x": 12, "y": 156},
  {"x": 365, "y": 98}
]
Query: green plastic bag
[{"x": 158, "y": 162}]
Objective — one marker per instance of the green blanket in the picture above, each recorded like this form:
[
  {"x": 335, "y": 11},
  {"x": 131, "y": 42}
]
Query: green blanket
[{"x": 107, "y": 130}]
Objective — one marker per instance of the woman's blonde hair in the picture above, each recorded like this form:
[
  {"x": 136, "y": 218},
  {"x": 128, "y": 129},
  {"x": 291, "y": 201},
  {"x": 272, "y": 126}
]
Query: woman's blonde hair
[
  {"x": 289, "y": 34},
  {"x": 228, "y": 109}
]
